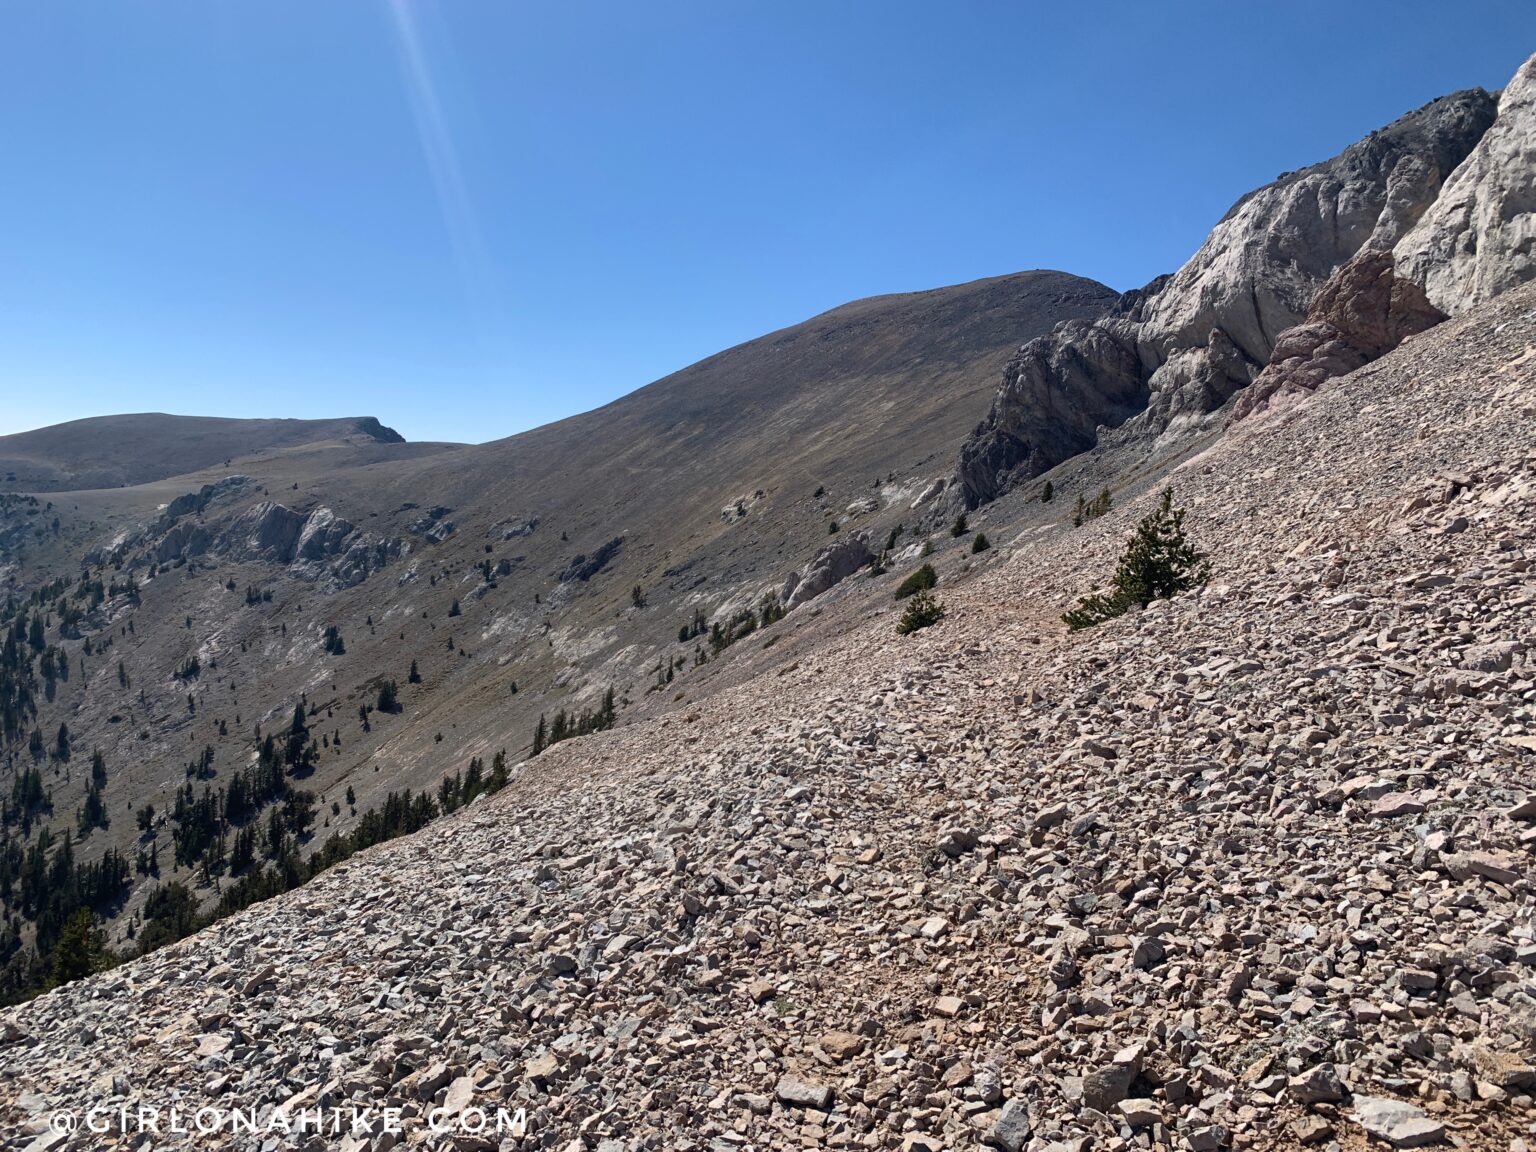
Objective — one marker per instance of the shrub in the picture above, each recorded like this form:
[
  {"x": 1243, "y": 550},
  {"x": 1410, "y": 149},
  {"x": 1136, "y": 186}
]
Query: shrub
[
  {"x": 960, "y": 527},
  {"x": 1158, "y": 564},
  {"x": 920, "y": 581},
  {"x": 1048, "y": 493},
  {"x": 980, "y": 544},
  {"x": 922, "y": 611}
]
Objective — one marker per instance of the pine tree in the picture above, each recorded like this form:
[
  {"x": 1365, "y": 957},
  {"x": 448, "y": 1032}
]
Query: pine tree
[
  {"x": 922, "y": 611},
  {"x": 1159, "y": 563},
  {"x": 540, "y": 736},
  {"x": 389, "y": 699},
  {"x": 1048, "y": 493},
  {"x": 980, "y": 544},
  {"x": 72, "y": 954},
  {"x": 413, "y": 676}
]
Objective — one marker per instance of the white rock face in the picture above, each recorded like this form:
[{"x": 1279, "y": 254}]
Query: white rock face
[
  {"x": 1168, "y": 357},
  {"x": 1479, "y": 237}
]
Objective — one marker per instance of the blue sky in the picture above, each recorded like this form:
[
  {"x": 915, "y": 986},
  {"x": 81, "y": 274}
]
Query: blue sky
[{"x": 469, "y": 217}]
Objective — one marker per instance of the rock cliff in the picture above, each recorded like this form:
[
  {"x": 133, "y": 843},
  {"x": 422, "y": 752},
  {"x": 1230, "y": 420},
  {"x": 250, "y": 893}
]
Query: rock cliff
[
  {"x": 1363, "y": 312},
  {"x": 1479, "y": 238},
  {"x": 1170, "y": 355}
]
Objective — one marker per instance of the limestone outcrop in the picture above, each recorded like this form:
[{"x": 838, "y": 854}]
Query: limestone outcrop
[
  {"x": 1170, "y": 356},
  {"x": 1479, "y": 237}
]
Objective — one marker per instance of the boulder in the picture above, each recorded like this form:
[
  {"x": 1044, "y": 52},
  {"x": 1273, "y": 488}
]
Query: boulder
[
  {"x": 1398, "y": 1123},
  {"x": 832, "y": 564},
  {"x": 1105, "y": 1087},
  {"x": 800, "y": 1092},
  {"x": 1012, "y": 1128}
]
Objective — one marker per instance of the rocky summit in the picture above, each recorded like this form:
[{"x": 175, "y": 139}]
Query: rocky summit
[{"x": 834, "y": 780}]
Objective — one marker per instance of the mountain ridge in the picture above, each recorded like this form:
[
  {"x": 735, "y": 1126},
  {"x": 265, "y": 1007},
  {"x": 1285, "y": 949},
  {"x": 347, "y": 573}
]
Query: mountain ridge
[{"x": 140, "y": 447}]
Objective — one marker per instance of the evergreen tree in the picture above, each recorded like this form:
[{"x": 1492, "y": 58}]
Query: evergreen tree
[
  {"x": 72, "y": 954},
  {"x": 1158, "y": 564},
  {"x": 389, "y": 699},
  {"x": 922, "y": 611},
  {"x": 980, "y": 544},
  {"x": 1048, "y": 493}
]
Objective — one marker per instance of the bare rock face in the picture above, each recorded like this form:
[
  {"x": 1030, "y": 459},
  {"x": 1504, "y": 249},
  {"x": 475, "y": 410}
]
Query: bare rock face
[
  {"x": 583, "y": 567},
  {"x": 834, "y": 563},
  {"x": 322, "y": 535},
  {"x": 266, "y": 531},
  {"x": 316, "y": 546},
  {"x": 1363, "y": 312},
  {"x": 201, "y": 500},
  {"x": 1479, "y": 237},
  {"x": 1056, "y": 391},
  {"x": 1171, "y": 355}
]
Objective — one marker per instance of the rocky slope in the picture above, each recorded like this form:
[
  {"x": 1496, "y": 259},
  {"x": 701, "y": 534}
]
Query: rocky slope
[
  {"x": 1249, "y": 869},
  {"x": 504, "y": 573},
  {"x": 1170, "y": 355},
  {"x": 111, "y": 451}
]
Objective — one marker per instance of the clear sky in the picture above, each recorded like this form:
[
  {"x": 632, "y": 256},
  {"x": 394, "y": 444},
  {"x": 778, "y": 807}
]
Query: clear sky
[{"x": 469, "y": 217}]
